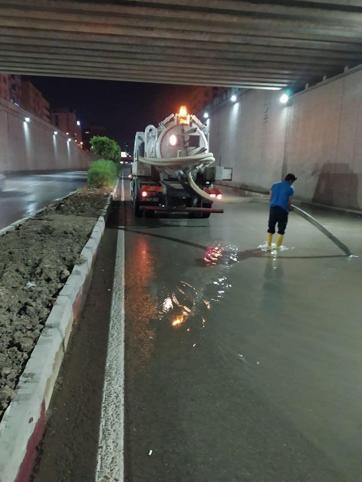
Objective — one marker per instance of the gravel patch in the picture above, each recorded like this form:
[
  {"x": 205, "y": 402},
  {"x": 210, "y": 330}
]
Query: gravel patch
[{"x": 35, "y": 262}]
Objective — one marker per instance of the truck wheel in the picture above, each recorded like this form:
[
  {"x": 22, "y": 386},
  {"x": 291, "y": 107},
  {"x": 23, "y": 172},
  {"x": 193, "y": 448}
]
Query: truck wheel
[{"x": 137, "y": 211}]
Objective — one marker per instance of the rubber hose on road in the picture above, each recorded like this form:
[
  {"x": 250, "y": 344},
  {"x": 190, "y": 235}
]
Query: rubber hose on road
[{"x": 323, "y": 229}]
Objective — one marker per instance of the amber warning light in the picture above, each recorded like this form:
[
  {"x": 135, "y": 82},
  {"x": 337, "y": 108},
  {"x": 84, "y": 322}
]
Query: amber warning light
[
  {"x": 183, "y": 111},
  {"x": 183, "y": 116}
]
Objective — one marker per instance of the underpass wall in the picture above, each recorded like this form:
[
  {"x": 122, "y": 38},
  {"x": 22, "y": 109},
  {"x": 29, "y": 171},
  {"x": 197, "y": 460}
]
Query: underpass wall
[
  {"x": 324, "y": 142},
  {"x": 33, "y": 146},
  {"x": 318, "y": 137},
  {"x": 249, "y": 137}
]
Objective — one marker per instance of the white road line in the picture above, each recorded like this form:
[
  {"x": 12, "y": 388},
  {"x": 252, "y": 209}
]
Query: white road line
[
  {"x": 110, "y": 463},
  {"x": 122, "y": 191}
]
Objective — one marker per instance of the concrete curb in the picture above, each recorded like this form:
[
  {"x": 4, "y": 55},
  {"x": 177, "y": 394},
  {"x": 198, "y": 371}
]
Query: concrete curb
[{"x": 23, "y": 424}]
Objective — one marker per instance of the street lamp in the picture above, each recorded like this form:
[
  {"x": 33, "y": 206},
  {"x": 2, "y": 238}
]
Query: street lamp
[
  {"x": 233, "y": 98},
  {"x": 284, "y": 98},
  {"x": 27, "y": 119}
]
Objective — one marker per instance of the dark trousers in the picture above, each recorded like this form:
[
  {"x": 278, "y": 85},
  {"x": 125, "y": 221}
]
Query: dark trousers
[{"x": 277, "y": 216}]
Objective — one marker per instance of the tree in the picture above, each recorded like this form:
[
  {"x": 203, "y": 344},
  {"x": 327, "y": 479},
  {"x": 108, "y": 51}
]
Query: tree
[{"x": 105, "y": 148}]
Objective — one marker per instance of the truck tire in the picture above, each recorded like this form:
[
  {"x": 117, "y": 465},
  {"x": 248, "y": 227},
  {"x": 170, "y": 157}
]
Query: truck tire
[{"x": 137, "y": 211}]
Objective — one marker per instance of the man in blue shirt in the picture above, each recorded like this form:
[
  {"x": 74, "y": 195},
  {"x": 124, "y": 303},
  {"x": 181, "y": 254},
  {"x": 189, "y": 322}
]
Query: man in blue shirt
[{"x": 280, "y": 205}]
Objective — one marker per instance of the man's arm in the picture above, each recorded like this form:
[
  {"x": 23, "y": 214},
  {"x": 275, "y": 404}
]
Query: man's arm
[{"x": 290, "y": 207}]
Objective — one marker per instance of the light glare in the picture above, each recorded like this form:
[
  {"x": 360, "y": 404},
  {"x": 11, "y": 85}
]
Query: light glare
[
  {"x": 233, "y": 98},
  {"x": 173, "y": 140},
  {"x": 206, "y": 115},
  {"x": 284, "y": 98},
  {"x": 183, "y": 111}
]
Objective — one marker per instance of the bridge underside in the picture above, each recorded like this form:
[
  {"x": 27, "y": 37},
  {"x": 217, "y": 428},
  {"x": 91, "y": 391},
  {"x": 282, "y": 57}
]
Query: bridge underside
[{"x": 249, "y": 44}]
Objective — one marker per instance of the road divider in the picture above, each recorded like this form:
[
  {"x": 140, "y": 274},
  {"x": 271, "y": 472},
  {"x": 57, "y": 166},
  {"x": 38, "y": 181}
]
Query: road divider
[{"x": 24, "y": 420}]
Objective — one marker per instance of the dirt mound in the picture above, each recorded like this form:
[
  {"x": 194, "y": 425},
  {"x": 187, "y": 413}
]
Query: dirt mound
[
  {"x": 35, "y": 262},
  {"x": 83, "y": 204}
]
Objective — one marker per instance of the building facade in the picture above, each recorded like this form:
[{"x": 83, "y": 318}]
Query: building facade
[
  {"x": 66, "y": 120},
  {"x": 10, "y": 88},
  {"x": 4, "y": 87},
  {"x": 33, "y": 100},
  {"x": 15, "y": 88}
]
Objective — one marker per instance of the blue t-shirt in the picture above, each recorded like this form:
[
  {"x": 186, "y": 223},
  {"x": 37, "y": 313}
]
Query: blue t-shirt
[{"x": 280, "y": 194}]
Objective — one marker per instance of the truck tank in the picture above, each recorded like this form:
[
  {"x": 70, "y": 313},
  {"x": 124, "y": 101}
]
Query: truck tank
[{"x": 177, "y": 148}]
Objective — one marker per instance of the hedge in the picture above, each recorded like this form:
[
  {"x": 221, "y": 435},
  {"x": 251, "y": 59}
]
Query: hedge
[{"x": 102, "y": 173}]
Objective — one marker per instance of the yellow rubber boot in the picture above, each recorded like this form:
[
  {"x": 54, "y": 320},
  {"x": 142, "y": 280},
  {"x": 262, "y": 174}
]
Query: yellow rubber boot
[
  {"x": 269, "y": 239},
  {"x": 280, "y": 238}
]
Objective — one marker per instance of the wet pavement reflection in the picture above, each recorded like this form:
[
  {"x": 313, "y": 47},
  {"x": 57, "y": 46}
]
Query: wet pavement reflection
[{"x": 23, "y": 195}]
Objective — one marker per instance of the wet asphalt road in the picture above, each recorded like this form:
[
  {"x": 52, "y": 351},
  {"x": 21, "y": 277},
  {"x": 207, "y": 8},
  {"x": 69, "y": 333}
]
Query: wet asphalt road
[
  {"x": 24, "y": 194},
  {"x": 240, "y": 365}
]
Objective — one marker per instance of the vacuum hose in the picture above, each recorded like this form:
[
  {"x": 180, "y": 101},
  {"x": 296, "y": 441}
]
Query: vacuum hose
[
  {"x": 185, "y": 164},
  {"x": 323, "y": 229}
]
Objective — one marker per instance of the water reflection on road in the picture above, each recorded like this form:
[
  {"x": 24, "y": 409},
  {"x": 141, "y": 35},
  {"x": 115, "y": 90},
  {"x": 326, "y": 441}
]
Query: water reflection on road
[
  {"x": 25, "y": 194},
  {"x": 141, "y": 305}
]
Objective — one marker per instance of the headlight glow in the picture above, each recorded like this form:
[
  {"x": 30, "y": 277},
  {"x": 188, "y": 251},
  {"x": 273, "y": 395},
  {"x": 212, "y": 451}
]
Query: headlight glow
[{"x": 173, "y": 140}]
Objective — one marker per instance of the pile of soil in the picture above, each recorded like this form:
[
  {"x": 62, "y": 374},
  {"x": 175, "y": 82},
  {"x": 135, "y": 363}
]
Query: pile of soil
[
  {"x": 35, "y": 262},
  {"x": 86, "y": 203}
]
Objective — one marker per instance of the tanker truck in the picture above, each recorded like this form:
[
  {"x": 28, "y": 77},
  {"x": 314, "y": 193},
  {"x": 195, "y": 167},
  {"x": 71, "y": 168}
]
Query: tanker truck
[{"x": 172, "y": 168}]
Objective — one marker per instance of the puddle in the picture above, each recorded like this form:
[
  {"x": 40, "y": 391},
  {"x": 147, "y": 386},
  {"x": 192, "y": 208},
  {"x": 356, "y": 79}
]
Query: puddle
[
  {"x": 186, "y": 306},
  {"x": 221, "y": 253}
]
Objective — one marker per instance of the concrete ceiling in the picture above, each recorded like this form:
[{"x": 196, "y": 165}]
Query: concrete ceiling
[{"x": 250, "y": 44}]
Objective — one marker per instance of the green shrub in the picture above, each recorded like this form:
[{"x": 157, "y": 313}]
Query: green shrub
[
  {"x": 102, "y": 173},
  {"x": 105, "y": 148}
]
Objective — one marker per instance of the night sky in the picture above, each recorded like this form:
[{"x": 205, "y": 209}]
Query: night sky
[{"x": 121, "y": 107}]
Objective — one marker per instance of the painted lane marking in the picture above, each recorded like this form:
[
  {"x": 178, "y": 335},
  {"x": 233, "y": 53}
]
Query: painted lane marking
[
  {"x": 110, "y": 460},
  {"x": 122, "y": 191}
]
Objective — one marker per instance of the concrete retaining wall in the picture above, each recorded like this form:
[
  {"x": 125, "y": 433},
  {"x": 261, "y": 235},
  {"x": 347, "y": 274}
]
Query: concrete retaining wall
[
  {"x": 248, "y": 136},
  {"x": 33, "y": 146},
  {"x": 318, "y": 137}
]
